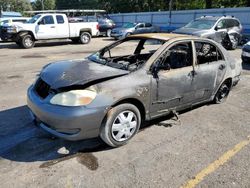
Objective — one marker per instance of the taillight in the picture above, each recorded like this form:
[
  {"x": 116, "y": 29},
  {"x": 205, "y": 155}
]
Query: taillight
[{"x": 97, "y": 26}]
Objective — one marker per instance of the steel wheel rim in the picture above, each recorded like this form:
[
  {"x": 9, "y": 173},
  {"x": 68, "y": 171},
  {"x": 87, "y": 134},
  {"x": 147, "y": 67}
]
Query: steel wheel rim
[
  {"x": 223, "y": 93},
  {"x": 85, "y": 38},
  {"x": 28, "y": 41},
  {"x": 124, "y": 126}
]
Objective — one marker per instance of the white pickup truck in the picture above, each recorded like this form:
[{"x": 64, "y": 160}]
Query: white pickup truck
[{"x": 51, "y": 26}]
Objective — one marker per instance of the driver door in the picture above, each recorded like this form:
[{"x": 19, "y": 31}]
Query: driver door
[
  {"x": 172, "y": 87},
  {"x": 46, "y": 28},
  {"x": 220, "y": 30}
]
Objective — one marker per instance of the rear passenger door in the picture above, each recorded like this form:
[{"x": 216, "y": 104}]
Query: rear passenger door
[
  {"x": 140, "y": 28},
  {"x": 62, "y": 28},
  {"x": 210, "y": 68}
]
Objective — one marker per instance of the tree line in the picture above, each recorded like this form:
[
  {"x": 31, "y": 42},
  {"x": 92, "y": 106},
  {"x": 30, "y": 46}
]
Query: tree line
[{"x": 119, "y": 6}]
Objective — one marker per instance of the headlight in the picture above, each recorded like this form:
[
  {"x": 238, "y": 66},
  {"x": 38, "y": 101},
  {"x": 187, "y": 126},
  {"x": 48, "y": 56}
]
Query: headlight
[
  {"x": 12, "y": 29},
  {"x": 74, "y": 98}
]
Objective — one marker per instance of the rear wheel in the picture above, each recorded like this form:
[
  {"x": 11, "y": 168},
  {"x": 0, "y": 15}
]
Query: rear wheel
[
  {"x": 27, "y": 41},
  {"x": 85, "y": 37},
  {"x": 108, "y": 33},
  {"x": 222, "y": 93},
  {"x": 121, "y": 124}
]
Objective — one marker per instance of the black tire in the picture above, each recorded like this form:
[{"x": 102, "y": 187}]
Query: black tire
[
  {"x": 116, "y": 135},
  {"x": 27, "y": 41},
  {"x": 108, "y": 33},
  {"x": 85, "y": 38},
  {"x": 222, "y": 93}
]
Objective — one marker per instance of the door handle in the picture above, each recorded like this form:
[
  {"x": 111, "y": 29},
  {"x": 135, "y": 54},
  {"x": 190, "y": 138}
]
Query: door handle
[
  {"x": 222, "y": 66},
  {"x": 52, "y": 27}
]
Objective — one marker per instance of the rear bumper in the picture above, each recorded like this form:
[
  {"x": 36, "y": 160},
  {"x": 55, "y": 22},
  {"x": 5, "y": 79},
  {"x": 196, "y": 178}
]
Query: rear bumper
[{"x": 70, "y": 123}]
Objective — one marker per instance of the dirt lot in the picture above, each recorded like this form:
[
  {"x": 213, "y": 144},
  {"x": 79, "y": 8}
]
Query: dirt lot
[{"x": 209, "y": 147}]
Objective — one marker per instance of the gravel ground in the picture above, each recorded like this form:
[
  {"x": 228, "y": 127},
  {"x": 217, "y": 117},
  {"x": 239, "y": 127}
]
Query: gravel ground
[{"x": 162, "y": 154}]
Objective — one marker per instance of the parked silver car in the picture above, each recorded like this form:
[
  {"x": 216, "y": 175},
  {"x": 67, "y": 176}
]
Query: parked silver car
[
  {"x": 133, "y": 28},
  {"x": 139, "y": 78},
  {"x": 225, "y": 29}
]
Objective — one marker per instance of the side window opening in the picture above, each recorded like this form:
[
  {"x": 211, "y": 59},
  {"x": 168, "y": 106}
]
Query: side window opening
[
  {"x": 179, "y": 56},
  {"x": 48, "y": 20},
  {"x": 59, "y": 19},
  {"x": 148, "y": 25},
  {"x": 207, "y": 53}
]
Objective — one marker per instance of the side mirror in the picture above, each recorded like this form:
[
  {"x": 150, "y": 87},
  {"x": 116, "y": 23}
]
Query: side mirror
[
  {"x": 41, "y": 22},
  {"x": 218, "y": 27}
]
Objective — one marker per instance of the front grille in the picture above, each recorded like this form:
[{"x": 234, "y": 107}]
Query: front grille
[{"x": 42, "y": 88}]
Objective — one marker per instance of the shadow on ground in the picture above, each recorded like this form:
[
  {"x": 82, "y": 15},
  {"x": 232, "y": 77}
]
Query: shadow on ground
[
  {"x": 40, "y": 44},
  {"x": 22, "y": 141}
]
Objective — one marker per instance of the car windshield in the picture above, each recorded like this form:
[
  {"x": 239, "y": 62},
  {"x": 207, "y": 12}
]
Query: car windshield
[
  {"x": 128, "y": 25},
  {"x": 201, "y": 24},
  {"x": 33, "y": 19},
  {"x": 129, "y": 54}
]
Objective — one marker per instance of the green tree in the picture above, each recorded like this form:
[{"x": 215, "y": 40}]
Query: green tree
[
  {"x": 15, "y": 5},
  {"x": 47, "y": 4}
]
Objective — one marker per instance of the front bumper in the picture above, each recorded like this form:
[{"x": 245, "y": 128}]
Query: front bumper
[
  {"x": 70, "y": 123},
  {"x": 116, "y": 35}
]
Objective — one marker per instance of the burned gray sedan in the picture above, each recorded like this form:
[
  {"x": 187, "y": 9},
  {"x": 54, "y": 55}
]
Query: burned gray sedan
[{"x": 139, "y": 78}]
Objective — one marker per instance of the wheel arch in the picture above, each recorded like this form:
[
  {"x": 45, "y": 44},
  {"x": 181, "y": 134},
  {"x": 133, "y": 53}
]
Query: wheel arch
[
  {"x": 88, "y": 30},
  {"x": 22, "y": 33},
  {"x": 135, "y": 102}
]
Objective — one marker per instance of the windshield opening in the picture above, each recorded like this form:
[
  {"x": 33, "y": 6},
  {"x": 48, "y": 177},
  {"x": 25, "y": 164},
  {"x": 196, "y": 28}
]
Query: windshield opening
[
  {"x": 129, "y": 54},
  {"x": 201, "y": 24},
  {"x": 33, "y": 19}
]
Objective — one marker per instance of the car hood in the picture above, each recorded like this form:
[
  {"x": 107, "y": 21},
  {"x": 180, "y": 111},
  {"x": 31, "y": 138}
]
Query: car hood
[
  {"x": 79, "y": 72},
  {"x": 190, "y": 31}
]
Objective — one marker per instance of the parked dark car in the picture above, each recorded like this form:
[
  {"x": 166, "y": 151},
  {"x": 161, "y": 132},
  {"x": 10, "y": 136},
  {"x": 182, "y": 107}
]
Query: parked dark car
[
  {"x": 133, "y": 28},
  {"x": 225, "y": 30},
  {"x": 246, "y": 53},
  {"x": 139, "y": 78},
  {"x": 106, "y": 24}
]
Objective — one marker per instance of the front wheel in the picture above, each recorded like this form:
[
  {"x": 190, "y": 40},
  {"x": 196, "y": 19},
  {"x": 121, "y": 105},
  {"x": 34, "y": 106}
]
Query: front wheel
[
  {"x": 27, "y": 41},
  {"x": 222, "y": 94},
  {"x": 234, "y": 42},
  {"x": 85, "y": 37},
  {"x": 121, "y": 124}
]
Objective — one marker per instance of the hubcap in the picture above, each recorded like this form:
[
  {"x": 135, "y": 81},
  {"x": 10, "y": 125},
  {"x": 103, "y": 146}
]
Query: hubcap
[
  {"x": 85, "y": 39},
  {"x": 124, "y": 126},
  {"x": 28, "y": 42}
]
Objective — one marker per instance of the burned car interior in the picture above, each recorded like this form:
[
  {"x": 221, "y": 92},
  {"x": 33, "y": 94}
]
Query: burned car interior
[
  {"x": 180, "y": 55},
  {"x": 129, "y": 54},
  {"x": 207, "y": 53}
]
